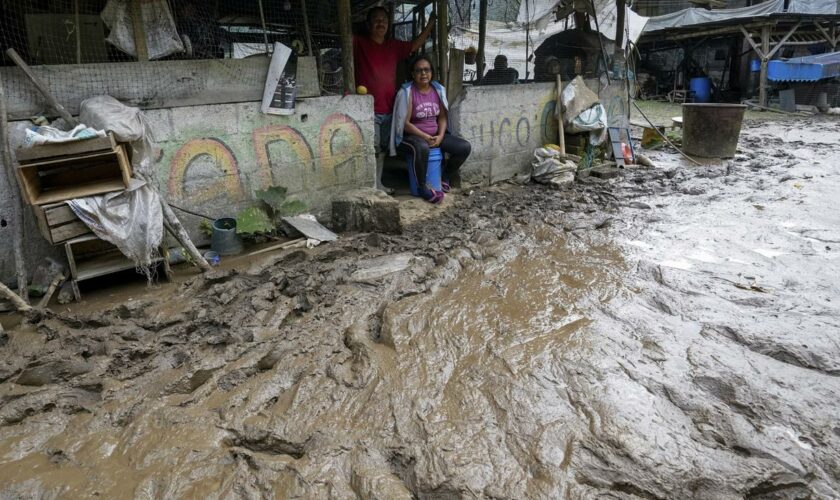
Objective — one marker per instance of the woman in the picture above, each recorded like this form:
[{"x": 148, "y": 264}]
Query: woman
[{"x": 420, "y": 123}]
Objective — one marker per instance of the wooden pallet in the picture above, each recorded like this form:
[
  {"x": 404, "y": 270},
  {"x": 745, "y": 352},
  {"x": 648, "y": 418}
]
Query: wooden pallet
[{"x": 51, "y": 173}]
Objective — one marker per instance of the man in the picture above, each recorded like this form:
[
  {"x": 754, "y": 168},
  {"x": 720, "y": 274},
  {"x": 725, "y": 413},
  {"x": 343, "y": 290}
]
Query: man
[
  {"x": 376, "y": 57},
  {"x": 501, "y": 74}
]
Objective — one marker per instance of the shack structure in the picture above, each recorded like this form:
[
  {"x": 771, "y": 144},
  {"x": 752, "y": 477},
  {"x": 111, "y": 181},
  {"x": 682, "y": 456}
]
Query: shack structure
[
  {"x": 724, "y": 43},
  {"x": 197, "y": 70}
]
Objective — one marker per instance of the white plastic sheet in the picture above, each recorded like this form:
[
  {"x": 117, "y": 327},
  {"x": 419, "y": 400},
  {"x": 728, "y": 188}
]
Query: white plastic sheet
[
  {"x": 131, "y": 220},
  {"x": 161, "y": 36}
]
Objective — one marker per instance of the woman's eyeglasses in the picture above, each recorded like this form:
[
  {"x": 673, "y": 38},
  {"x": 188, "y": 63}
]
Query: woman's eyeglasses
[{"x": 420, "y": 71}]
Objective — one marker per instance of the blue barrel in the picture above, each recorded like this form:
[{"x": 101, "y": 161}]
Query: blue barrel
[
  {"x": 433, "y": 171},
  {"x": 702, "y": 88},
  {"x": 755, "y": 65}
]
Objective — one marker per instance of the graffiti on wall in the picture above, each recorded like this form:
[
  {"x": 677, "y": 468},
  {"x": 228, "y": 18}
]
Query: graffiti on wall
[
  {"x": 205, "y": 169},
  {"x": 516, "y": 130}
]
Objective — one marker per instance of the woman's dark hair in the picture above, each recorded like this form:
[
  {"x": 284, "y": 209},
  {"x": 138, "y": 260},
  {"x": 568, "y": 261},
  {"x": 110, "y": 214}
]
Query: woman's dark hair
[{"x": 416, "y": 59}]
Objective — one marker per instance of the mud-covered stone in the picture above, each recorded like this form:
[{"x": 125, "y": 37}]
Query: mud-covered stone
[{"x": 366, "y": 210}]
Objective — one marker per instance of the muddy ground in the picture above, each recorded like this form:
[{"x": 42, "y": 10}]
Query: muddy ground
[{"x": 674, "y": 333}]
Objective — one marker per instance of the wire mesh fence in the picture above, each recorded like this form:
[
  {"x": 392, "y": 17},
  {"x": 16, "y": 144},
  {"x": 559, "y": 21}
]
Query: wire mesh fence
[{"x": 103, "y": 31}]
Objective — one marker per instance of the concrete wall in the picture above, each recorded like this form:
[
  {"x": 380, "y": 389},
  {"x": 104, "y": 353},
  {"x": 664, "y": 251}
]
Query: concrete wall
[
  {"x": 504, "y": 124},
  {"x": 214, "y": 157}
]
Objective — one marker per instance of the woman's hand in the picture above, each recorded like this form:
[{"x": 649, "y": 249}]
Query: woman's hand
[{"x": 434, "y": 141}]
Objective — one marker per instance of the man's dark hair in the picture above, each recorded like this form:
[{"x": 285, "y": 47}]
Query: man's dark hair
[
  {"x": 372, "y": 10},
  {"x": 416, "y": 59}
]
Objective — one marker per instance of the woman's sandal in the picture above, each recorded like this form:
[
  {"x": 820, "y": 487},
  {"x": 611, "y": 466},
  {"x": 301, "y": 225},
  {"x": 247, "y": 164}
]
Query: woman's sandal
[
  {"x": 445, "y": 187},
  {"x": 433, "y": 196}
]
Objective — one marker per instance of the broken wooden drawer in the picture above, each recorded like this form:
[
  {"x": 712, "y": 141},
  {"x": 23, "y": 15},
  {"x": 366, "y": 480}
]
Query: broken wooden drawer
[
  {"x": 56, "y": 172},
  {"x": 58, "y": 223}
]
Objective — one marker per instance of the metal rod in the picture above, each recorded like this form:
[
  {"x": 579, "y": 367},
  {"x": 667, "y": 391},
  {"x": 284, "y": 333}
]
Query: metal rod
[{"x": 692, "y": 160}]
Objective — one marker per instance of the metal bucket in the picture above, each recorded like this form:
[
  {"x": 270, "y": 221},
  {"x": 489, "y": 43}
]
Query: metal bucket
[
  {"x": 712, "y": 130},
  {"x": 224, "y": 239}
]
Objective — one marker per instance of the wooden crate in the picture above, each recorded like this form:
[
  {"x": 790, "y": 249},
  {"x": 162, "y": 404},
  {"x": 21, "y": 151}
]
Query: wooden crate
[
  {"x": 57, "y": 172},
  {"x": 58, "y": 223}
]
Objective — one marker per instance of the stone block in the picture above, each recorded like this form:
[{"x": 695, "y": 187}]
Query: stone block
[{"x": 366, "y": 210}]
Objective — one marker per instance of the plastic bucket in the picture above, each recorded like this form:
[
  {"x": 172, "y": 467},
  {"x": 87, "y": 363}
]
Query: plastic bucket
[
  {"x": 712, "y": 130},
  {"x": 224, "y": 239},
  {"x": 433, "y": 172},
  {"x": 702, "y": 88},
  {"x": 755, "y": 65}
]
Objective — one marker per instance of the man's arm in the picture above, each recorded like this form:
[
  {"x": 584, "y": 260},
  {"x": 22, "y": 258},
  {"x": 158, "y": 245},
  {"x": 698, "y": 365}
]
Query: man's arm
[{"x": 420, "y": 40}]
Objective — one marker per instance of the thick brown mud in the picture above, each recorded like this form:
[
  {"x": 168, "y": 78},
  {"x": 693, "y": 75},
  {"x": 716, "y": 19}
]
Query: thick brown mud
[{"x": 674, "y": 333}]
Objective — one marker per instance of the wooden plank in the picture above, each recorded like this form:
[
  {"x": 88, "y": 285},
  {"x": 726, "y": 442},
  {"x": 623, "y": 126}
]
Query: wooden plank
[
  {"x": 139, "y": 29},
  {"x": 79, "y": 191},
  {"x": 147, "y": 85},
  {"x": 65, "y": 232},
  {"x": 65, "y": 149},
  {"x": 58, "y": 214},
  {"x": 79, "y": 160},
  {"x": 41, "y": 221}
]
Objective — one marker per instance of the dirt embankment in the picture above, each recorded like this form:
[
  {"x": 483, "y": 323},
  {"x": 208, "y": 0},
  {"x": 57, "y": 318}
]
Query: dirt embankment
[{"x": 652, "y": 337}]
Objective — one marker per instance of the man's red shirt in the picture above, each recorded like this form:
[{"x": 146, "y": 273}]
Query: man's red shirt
[{"x": 376, "y": 69}]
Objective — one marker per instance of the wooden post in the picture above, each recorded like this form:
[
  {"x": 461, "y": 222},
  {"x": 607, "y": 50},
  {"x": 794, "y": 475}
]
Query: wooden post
[
  {"x": 78, "y": 32},
  {"x": 765, "y": 60},
  {"x": 558, "y": 110},
  {"x": 16, "y": 202},
  {"x": 264, "y": 30},
  {"x": 443, "y": 40},
  {"x": 140, "y": 47},
  {"x": 306, "y": 31},
  {"x": 482, "y": 34},
  {"x": 345, "y": 30},
  {"x": 621, "y": 12},
  {"x": 42, "y": 87}
]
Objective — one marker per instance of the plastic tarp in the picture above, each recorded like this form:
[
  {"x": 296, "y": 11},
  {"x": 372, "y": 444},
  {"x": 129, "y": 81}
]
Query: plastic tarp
[
  {"x": 132, "y": 220},
  {"x": 805, "y": 69},
  {"x": 814, "y": 6},
  {"x": 540, "y": 13},
  {"x": 695, "y": 15}
]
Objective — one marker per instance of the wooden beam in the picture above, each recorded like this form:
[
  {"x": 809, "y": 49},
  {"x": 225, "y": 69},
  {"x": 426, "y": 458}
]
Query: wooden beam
[
  {"x": 139, "y": 83},
  {"x": 828, "y": 37},
  {"x": 765, "y": 60},
  {"x": 78, "y": 30},
  {"x": 345, "y": 30},
  {"x": 306, "y": 30},
  {"x": 443, "y": 40},
  {"x": 140, "y": 47},
  {"x": 482, "y": 35},
  {"x": 783, "y": 40},
  {"x": 748, "y": 37},
  {"x": 42, "y": 88}
]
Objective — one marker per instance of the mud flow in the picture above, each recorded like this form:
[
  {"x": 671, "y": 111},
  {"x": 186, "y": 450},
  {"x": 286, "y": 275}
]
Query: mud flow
[{"x": 672, "y": 333}]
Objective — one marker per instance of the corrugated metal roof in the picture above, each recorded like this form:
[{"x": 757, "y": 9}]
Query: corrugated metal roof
[{"x": 805, "y": 69}]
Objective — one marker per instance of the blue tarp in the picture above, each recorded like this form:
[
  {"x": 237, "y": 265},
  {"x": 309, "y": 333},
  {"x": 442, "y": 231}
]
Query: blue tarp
[{"x": 805, "y": 69}]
